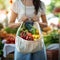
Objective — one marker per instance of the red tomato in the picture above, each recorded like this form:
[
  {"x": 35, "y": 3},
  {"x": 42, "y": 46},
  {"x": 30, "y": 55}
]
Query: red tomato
[
  {"x": 27, "y": 37},
  {"x": 29, "y": 34}
]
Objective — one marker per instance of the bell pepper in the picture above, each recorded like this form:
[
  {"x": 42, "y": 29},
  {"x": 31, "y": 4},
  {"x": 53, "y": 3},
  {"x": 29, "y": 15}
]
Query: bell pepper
[{"x": 36, "y": 37}]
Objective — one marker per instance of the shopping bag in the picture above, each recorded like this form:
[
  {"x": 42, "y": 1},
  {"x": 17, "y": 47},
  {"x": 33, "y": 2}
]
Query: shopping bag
[{"x": 25, "y": 46}]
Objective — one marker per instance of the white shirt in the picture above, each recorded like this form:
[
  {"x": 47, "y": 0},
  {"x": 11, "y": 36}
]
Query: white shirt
[{"x": 19, "y": 8}]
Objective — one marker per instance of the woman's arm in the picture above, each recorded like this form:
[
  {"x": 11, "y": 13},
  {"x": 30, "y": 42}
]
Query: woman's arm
[
  {"x": 13, "y": 16},
  {"x": 44, "y": 21},
  {"x": 12, "y": 23}
]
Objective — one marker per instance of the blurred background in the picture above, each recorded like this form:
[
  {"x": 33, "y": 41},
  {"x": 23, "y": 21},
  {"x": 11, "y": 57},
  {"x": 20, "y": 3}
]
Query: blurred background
[{"x": 50, "y": 34}]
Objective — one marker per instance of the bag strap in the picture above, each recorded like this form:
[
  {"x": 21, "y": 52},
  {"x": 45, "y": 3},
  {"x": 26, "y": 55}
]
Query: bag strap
[
  {"x": 17, "y": 34},
  {"x": 25, "y": 7}
]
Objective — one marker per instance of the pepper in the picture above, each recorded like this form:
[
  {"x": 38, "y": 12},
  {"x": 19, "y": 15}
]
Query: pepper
[{"x": 36, "y": 37}]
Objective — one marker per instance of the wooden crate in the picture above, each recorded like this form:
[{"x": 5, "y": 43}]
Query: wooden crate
[
  {"x": 52, "y": 54},
  {"x": 9, "y": 57}
]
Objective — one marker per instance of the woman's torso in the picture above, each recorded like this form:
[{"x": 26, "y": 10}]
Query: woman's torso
[{"x": 24, "y": 10}]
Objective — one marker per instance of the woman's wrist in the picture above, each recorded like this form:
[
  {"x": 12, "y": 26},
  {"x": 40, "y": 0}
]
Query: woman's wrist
[
  {"x": 14, "y": 25},
  {"x": 43, "y": 24}
]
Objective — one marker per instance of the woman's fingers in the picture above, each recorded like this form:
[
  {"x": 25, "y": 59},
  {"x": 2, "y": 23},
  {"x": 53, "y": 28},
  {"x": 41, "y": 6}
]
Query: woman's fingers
[
  {"x": 35, "y": 18},
  {"x": 24, "y": 18}
]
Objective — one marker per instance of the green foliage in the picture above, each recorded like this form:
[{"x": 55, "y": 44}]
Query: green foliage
[
  {"x": 51, "y": 38},
  {"x": 1, "y": 48},
  {"x": 9, "y": 30},
  {"x": 4, "y": 4},
  {"x": 1, "y": 52},
  {"x": 53, "y": 4}
]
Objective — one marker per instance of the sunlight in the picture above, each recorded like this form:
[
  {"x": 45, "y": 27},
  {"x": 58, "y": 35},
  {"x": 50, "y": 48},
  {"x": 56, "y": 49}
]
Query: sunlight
[{"x": 47, "y": 2}]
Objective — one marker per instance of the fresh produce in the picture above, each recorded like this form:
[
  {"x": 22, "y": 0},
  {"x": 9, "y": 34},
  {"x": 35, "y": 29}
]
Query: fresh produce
[
  {"x": 26, "y": 35},
  {"x": 51, "y": 37},
  {"x": 3, "y": 34},
  {"x": 9, "y": 30},
  {"x": 36, "y": 37},
  {"x": 8, "y": 34},
  {"x": 29, "y": 32},
  {"x": 46, "y": 29},
  {"x": 29, "y": 36},
  {"x": 29, "y": 23},
  {"x": 10, "y": 39},
  {"x": 29, "y": 26},
  {"x": 23, "y": 34}
]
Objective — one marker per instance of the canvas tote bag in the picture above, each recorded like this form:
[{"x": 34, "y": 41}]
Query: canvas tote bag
[{"x": 25, "y": 46}]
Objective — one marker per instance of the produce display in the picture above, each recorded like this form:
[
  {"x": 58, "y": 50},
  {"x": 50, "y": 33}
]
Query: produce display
[
  {"x": 3, "y": 34},
  {"x": 29, "y": 32},
  {"x": 9, "y": 37},
  {"x": 9, "y": 30},
  {"x": 46, "y": 29},
  {"x": 51, "y": 37}
]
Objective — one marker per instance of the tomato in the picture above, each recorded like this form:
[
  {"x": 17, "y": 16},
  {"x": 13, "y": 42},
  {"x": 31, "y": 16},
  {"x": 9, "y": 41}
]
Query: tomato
[
  {"x": 10, "y": 39},
  {"x": 29, "y": 34},
  {"x": 27, "y": 37}
]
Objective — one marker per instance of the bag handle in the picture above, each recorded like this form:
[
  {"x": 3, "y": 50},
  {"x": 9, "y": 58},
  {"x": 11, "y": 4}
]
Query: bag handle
[
  {"x": 18, "y": 31},
  {"x": 25, "y": 8}
]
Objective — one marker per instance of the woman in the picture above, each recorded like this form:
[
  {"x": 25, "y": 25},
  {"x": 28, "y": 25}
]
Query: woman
[{"x": 23, "y": 10}]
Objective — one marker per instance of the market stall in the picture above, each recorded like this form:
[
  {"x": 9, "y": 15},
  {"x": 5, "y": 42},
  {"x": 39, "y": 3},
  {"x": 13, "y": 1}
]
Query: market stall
[{"x": 8, "y": 39}]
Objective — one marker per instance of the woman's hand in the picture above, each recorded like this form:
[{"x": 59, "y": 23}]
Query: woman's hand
[
  {"x": 43, "y": 24},
  {"x": 35, "y": 18},
  {"x": 24, "y": 18},
  {"x": 14, "y": 25}
]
